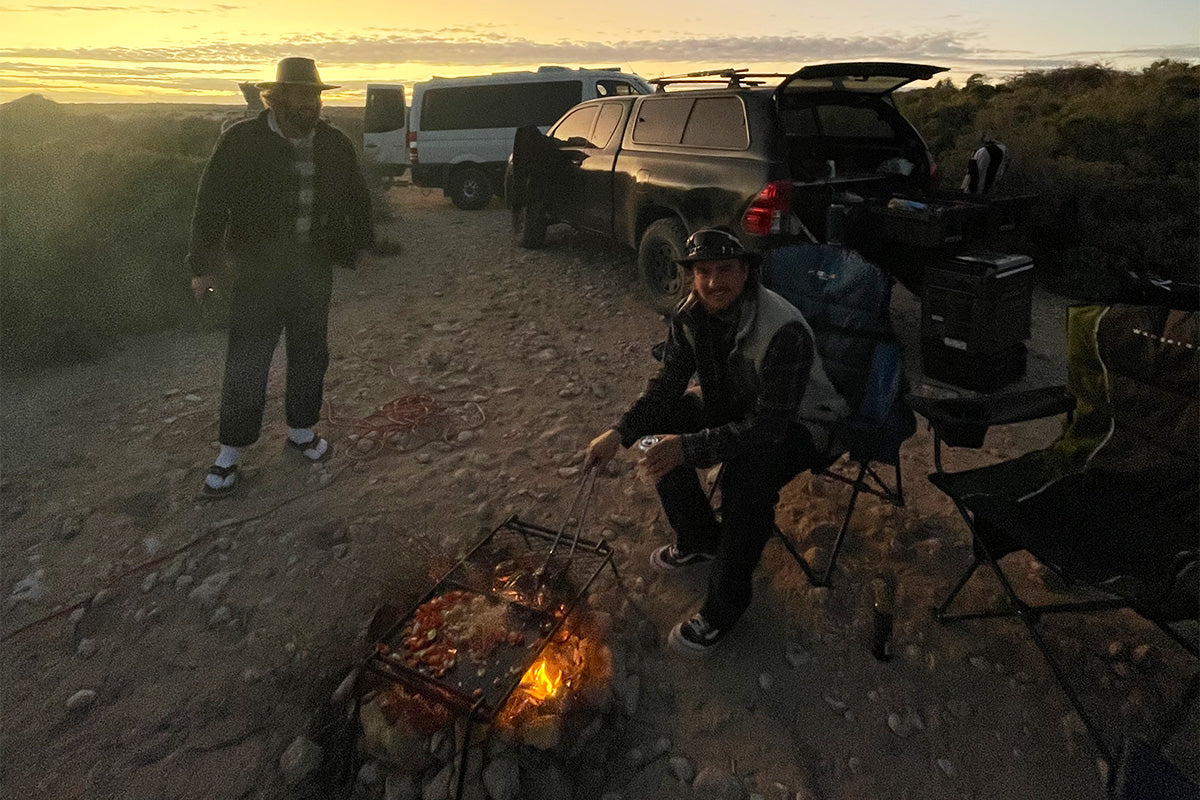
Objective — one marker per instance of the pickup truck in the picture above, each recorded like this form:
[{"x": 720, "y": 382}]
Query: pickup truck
[{"x": 819, "y": 155}]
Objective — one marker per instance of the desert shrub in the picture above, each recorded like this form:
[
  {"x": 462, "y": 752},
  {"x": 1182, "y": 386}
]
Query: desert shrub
[{"x": 94, "y": 219}]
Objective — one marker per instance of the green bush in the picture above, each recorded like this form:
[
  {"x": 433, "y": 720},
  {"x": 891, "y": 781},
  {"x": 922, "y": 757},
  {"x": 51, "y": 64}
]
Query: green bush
[
  {"x": 94, "y": 220},
  {"x": 1111, "y": 156}
]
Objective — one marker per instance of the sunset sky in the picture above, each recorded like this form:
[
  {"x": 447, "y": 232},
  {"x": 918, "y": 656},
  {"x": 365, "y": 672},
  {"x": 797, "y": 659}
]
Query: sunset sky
[{"x": 194, "y": 51}]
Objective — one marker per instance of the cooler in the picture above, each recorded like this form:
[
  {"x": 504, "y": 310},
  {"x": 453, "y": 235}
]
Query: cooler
[{"x": 975, "y": 314}]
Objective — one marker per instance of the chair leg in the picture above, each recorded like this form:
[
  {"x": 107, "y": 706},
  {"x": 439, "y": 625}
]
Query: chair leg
[
  {"x": 837, "y": 543},
  {"x": 1029, "y": 616},
  {"x": 939, "y": 613},
  {"x": 804, "y": 566}
]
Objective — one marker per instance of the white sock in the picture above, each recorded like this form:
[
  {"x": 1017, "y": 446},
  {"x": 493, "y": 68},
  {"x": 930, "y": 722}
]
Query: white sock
[
  {"x": 307, "y": 436},
  {"x": 301, "y": 435},
  {"x": 227, "y": 457}
]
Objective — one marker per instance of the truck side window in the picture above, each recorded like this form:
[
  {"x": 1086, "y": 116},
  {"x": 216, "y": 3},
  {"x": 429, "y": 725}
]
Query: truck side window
[
  {"x": 606, "y": 123},
  {"x": 575, "y": 130},
  {"x": 717, "y": 122},
  {"x": 661, "y": 120}
]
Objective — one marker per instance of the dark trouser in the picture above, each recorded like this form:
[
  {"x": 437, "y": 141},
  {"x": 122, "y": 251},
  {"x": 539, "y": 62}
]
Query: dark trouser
[
  {"x": 294, "y": 299},
  {"x": 749, "y": 491}
]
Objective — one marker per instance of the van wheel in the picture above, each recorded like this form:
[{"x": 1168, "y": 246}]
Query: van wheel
[
  {"x": 663, "y": 280},
  {"x": 470, "y": 189}
]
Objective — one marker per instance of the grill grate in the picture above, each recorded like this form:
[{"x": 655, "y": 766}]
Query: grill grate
[{"x": 522, "y": 588}]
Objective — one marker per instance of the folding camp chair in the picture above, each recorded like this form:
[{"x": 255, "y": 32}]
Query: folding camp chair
[
  {"x": 846, "y": 301},
  {"x": 1114, "y": 502}
]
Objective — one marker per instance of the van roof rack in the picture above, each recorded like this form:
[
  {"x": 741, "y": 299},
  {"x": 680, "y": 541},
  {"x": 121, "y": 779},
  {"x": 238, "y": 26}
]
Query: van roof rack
[{"x": 732, "y": 78}]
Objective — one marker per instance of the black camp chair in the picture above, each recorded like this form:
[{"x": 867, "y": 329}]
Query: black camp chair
[
  {"x": 1113, "y": 504},
  {"x": 846, "y": 301}
]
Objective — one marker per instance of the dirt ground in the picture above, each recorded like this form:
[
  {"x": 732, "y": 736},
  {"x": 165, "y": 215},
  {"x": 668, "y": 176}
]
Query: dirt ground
[{"x": 190, "y": 641}]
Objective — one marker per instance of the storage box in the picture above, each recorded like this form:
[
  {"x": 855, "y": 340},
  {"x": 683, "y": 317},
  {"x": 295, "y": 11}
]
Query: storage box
[
  {"x": 982, "y": 372},
  {"x": 928, "y": 224},
  {"x": 978, "y": 302}
]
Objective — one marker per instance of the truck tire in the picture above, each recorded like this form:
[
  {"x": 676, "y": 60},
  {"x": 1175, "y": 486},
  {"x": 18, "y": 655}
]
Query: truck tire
[
  {"x": 662, "y": 279},
  {"x": 529, "y": 224},
  {"x": 529, "y": 221},
  {"x": 470, "y": 188}
]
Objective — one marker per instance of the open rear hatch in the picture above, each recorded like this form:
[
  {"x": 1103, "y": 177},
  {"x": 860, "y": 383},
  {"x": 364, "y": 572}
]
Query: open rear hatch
[{"x": 863, "y": 77}]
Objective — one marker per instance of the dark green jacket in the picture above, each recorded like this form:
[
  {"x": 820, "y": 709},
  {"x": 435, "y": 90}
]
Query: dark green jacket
[{"x": 244, "y": 199}]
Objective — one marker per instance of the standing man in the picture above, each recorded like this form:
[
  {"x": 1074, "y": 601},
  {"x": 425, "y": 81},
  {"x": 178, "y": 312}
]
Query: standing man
[
  {"x": 766, "y": 415},
  {"x": 283, "y": 192},
  {"x": 986, "y": 167}
]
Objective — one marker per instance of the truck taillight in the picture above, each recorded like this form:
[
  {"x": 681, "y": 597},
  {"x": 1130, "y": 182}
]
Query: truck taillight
[
  {"x": 769, "y": 209},
  {"x": 412, "y": 147}
]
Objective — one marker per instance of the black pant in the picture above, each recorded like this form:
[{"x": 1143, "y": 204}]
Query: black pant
[
  {"x": 749, "y": 491},
  {"x": 292, "y": 298}
]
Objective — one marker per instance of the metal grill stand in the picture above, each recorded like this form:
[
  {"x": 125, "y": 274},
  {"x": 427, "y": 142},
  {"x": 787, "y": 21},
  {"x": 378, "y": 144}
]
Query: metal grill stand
[{"x": 518, "y": 565}]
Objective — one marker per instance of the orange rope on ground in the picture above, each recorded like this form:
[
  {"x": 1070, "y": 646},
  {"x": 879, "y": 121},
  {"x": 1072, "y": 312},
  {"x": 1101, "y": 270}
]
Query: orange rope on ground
[{"x": 394, "y": 424}]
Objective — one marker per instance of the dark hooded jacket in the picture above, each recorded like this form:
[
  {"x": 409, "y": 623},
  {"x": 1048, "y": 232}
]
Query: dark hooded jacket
[{"x": 244, "y": 199}]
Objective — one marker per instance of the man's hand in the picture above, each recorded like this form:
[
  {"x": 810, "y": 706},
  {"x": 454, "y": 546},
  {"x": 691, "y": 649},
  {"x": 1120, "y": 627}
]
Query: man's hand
[
  {"x": 204, "y": 287},
  {"x": 602, "y": 449},
  {"x": 662, "y": 457}
]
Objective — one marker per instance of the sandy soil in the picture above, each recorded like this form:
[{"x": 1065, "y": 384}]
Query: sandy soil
[{"x": 205, "y": 664}]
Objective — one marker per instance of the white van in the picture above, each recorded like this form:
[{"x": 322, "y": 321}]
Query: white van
[
  {"x": 461, "y": 130},
  {"x": 385, "y": 132}
]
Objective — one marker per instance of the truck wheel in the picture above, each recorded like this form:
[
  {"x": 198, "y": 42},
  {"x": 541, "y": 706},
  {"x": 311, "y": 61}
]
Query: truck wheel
[
  {"x": 528, "y": 216},
  {"x": 470, "y": 189},
  {"x": 529, "y": 224},
  {"x": 662, "y": 278}
]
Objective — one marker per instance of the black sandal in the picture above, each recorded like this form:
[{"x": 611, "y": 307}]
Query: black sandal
[
  {"x": 222, "y": 473},
  {"x": 309, "y": 445}
]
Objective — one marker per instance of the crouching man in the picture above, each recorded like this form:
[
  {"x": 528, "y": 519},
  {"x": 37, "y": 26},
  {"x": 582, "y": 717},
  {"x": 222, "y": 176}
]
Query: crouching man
[{"x": 765, "y": 411}]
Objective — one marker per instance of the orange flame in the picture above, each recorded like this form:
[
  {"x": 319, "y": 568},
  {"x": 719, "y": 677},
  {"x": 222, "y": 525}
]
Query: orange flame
[{"x": 541, "y": 680}]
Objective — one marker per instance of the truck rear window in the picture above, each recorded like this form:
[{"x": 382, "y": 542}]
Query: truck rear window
[
  {"x": 498, "y": 105},
  {"x": 718, "y": 122}
]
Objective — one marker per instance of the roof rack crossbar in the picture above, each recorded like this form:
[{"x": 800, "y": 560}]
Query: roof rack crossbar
[{"x": 733, "y": 78}]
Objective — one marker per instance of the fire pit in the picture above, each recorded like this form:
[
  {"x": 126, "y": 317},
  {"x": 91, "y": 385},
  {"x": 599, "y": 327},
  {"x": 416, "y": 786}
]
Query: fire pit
[{"x": 491, "y": 639}]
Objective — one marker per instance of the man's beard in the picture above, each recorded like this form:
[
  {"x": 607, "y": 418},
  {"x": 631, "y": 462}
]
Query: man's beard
[{"x": 300, "y": 121}]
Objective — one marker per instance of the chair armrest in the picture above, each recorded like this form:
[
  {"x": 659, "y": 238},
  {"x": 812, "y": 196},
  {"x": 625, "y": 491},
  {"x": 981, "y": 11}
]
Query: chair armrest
[{"x": 963, "y": 421}]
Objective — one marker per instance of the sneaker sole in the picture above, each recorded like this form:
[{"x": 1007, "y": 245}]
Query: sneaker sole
[{"x": 685, "y": 648}]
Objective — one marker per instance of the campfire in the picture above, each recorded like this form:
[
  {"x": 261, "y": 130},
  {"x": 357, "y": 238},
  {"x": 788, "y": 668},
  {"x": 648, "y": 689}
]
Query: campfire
[
  {"x": 572, "y": 676},
  {"x": 502, "y": 640}
]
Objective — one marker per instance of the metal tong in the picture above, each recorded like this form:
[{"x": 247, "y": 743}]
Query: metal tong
[{"x": 586, "y": 487}]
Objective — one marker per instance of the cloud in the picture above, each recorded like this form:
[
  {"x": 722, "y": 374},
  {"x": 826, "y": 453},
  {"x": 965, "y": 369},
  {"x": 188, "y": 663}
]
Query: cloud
[
  {"x": 189, "y": 66},
  {"x": 143, "y": 9}
]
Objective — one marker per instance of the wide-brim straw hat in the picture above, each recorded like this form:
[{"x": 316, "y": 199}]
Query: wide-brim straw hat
[{"x": 297, "y": 71}]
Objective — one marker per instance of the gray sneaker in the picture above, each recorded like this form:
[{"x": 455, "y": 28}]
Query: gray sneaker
[{"x": 668, "y": 558}]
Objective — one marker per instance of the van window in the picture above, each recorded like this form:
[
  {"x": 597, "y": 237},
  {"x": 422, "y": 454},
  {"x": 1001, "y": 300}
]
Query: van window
[
  {"x": 498, "y": 105},
  {"x": 661, "y": 120},
  {"x": 385, "y": 110},
  {"x": 606, "y": 123},
  {"x": 717, "y": 122},
  {"x": 611, "y": 88},
  {"x": 575, "y": 129}
]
